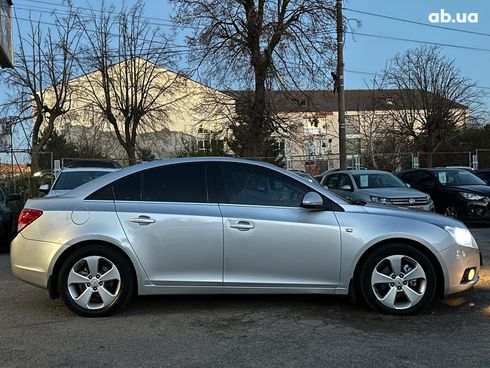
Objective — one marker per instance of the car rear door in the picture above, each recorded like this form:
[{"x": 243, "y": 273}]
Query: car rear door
[
  {"x": 269, "y": 239},
  {"x": 173, "y": 223}
]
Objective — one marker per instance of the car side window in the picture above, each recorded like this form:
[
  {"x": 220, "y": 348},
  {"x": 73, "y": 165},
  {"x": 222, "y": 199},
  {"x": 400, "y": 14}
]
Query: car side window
[
  {"x": 175, "y": 183},
  {"x": 427, "y": 179},
  {"x": 128, "y": 188},
  {"x": 345, "y": 180},
  {"x": 332, "y": 181},
  {"x": 254, "y": 185}
]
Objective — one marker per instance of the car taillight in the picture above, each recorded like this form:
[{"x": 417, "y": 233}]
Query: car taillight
[{"x": 27, "y": 216}]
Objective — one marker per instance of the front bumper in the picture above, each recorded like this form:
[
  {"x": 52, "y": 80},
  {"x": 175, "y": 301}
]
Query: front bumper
[
  {"x": 476, "y": 212},
  {"x": 31, "y": 260},
  {"x": 456, "y": 261}
]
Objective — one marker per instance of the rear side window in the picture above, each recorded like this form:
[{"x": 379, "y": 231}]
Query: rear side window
[
  {"x": 175, "y": 183},
  {"x": 128, "y": 188},
  {"x": 172, "y": 183},
  {"x": 102, "y": 194},
  {"x": 254, "y": 185}
]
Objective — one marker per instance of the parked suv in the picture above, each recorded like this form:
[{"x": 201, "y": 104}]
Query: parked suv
[
  {"x": 456, "y": 193},
  {"x": 376, "y": 186}
]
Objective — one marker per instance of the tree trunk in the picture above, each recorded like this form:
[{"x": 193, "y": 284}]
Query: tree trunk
[
  {"x": 256, "y": 138},
  {"x": 131, "y": 153},
  {"x": 35, "y": 144},
  {"x": 34, "y": 157}
]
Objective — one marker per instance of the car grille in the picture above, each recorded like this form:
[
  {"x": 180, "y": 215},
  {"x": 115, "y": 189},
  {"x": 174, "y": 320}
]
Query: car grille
[{"x": 419, "y": 201}]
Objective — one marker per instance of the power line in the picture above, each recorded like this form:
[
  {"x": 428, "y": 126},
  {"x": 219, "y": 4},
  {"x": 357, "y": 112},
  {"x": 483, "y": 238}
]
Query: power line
[
  {"x": 417, "y": 23},
  {"x": 167, "y": 22},
  {"x": 417, "y": 41}
]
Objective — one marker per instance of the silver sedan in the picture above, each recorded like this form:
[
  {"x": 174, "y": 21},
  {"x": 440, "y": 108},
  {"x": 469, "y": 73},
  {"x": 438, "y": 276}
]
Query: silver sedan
[{"x": 221, "y": 226}]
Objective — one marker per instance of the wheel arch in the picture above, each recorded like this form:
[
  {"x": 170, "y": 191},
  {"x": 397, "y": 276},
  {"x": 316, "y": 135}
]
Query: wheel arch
[
  {"x": 440, "y": 280},
  {"x": 53, "y": 288}
]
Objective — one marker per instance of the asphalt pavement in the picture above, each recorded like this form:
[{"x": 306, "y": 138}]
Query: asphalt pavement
[{"x": 244, "y": 331}]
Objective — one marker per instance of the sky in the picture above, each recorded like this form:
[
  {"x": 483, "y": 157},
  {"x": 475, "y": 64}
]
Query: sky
[{"x": 364, "y": 55}]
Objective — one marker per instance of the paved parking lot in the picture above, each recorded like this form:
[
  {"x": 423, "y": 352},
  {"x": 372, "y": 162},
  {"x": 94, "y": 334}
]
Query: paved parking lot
[{"x": 243, "y": 331}]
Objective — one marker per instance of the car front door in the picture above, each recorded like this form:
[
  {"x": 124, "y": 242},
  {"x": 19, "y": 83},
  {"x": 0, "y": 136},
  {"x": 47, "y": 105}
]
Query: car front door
[
  {"x": 269, "y": 239},
  {"x": 173, "y": 222}
]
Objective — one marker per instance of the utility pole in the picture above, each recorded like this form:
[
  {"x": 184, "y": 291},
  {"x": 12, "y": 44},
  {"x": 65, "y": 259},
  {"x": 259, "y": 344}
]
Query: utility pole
[{"x": 340, "y": 86}]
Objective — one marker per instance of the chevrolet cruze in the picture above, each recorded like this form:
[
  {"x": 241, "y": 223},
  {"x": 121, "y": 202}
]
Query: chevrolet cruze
[{"x": 222, "y": 226}]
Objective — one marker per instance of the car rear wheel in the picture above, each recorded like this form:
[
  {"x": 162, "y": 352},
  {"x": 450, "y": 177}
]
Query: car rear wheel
[
  {"x": 95, "y": 281},
  {"x": 398, "y": 279}
]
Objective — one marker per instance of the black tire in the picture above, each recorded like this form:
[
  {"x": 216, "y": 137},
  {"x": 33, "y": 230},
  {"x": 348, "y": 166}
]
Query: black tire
[
  {"x": 126, "y": 287},
  {"x": 5, "y": 239},
  {"x": 453, "y": 208},
  {"x": 377, "y": 256}
]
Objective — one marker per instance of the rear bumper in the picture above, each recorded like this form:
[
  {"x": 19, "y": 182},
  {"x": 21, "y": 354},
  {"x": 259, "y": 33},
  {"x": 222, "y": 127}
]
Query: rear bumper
[
  {"x": 457, "y": 261},
  {"x": 31, "y": 260}
]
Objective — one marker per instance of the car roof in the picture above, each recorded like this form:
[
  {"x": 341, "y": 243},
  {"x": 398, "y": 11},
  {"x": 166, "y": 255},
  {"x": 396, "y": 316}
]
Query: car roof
[
  {"x": 101, "y": 181},
  {"x": 359, "y": 172}
]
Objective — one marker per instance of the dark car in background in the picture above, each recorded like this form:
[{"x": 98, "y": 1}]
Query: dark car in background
[
  {"x": 107, "y": 164},
  {"x": 456, "y": 193},
  {"x": 10, "y": 208},
  {"x": 483, "y": 174}
]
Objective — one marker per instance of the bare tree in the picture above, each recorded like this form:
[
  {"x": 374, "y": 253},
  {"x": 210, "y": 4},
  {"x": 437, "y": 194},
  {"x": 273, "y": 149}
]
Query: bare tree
[
  {"x": 433, "y": 100},
  {"x": 124, "y": 70},
  {"x": 260, "y": 45},
  {"x": 44, "y": 65}
]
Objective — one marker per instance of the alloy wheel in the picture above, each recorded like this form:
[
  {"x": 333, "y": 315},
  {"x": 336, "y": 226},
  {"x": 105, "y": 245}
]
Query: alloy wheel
[
  {"x": 94, "y": 282},
  {"x": 398, "y": 282}
]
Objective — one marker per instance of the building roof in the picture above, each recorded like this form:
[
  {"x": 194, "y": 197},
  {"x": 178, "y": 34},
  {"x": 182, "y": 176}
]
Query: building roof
[{"x": 326, "y": 101}]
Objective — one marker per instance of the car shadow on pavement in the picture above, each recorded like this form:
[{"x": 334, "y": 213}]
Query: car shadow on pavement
[{"x": 228, "y": 311}]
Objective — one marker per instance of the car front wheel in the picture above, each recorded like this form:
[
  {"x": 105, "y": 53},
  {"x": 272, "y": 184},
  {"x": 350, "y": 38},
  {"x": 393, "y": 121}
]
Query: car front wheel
[
  {"x": 95, "y": 281},
  {"x": 398, "y": 279}
]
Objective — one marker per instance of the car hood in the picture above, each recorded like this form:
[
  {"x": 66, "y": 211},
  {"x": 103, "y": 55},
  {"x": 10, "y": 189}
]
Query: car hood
[
  {"x": 424, "y": 216},
  {"x": 393, "y": 192},
  {"x": 477, "y": 189}
]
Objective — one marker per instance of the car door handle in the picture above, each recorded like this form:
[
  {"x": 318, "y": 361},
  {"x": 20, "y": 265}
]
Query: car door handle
[
  {"x": 242, "y": 225},
  {"x": 142, "y": 220}
]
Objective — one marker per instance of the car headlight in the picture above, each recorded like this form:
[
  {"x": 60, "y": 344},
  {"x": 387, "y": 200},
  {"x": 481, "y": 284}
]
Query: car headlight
[
  {"x": 461, "y": 236},
  {"x": 381, "y": 200},
  {"x": 472, "y": 197}
]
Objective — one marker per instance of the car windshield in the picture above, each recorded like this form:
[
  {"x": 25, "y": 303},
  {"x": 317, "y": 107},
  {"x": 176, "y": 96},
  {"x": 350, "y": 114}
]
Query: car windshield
[
  {"x": 70, "y": 180},
  {"x": 451, "y": 178},
  {"x": 378, "y": 180}
]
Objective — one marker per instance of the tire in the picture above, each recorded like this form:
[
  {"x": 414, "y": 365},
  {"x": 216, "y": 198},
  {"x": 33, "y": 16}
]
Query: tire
[
  {"x": 96, "y": 295},
  {"x": 5, "y": 239},
  {"x": 452, "y": 210},
  {"x": 409, "y": 292}
]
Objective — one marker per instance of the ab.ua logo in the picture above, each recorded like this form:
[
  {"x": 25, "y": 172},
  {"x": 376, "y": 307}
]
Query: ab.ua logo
[{"x": 443, "y": 17}]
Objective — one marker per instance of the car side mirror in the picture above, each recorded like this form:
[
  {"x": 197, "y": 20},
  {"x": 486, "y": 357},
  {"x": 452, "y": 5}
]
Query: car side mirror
[
  {"x": 408, "y": 185},
  {"x": 347, "y": 187},
  {"x": 312, "y": 200},
  {"x": 13, "y": 197},
  {"x": 44, "y": 188}
]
